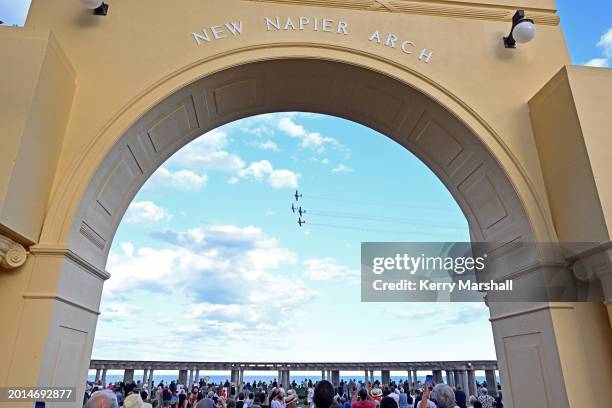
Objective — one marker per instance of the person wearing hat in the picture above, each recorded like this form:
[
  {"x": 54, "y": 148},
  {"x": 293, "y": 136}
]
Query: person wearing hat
[
  {"x": 135, "y": 401},
  {"x": 102, "y": 399},
  {"x": 361, "y": 399},
  {"x": 291, "y": 401},
  {"x": 279, "y": 399},
  {"x": 376, "y": 394}
]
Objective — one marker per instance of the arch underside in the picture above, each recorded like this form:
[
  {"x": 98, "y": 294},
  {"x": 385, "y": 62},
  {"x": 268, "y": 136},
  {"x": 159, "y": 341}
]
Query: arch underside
[{"x": 452, "y": 151}]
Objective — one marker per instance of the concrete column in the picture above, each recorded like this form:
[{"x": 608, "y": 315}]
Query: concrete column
[
  {"x": 128, "y": 374},
  {"x": 144, "y": 376},
  {"x": 234, "y": 376},
  {"x": 385, "y": 377},
  {"x": 437, "y": 375},
  {"x": 409, "y": 380},
  {"x": 335, "y": 378},
  {"x": 150, "y": 382},
  {"x": 197, "y": 376},
  {"x": 471, "y": 383},
  {"x": 415, "y": 378},
  {"x": 97, "y": 375},
  {"x": 182, "y": 378},
  {"x": 365, "y": 376},
  {"x": 190, "y": 380},
  {"x": 457, "y": 377},
  {"x": 322, "y": 374},
  {"x": 104, "y": 377},
  {"x": 449, "y": 378},
  {"x": 464, "y": 381},
  {"x": 372, "y": 375},
  {"x": 491, "y": 382}
]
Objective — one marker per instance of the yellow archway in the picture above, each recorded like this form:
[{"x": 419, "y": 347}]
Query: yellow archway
[{"x": 115, "y": 96}]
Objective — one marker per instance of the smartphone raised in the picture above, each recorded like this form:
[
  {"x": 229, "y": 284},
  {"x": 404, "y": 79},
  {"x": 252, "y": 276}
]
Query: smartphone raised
[{"x": 429, "y": 380}]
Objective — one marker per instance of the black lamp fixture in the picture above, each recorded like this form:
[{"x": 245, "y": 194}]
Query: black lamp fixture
[
  {"x": 98, "y": 6},
  {"x": 523, "y": 30}
]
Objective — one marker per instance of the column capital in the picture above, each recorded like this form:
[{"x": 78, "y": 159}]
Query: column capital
[
  {"x": 12, "y": 254},
  {"x": 595, "y": 264}
]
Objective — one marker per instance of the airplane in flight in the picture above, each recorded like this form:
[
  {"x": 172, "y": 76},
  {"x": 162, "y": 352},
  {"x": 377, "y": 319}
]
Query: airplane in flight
[
  {"x": 297, "y": 196},
  {"x": 293, "y": 208},
  {"x": 301, "y": 222},
  {"x": 301, "y": 212}
]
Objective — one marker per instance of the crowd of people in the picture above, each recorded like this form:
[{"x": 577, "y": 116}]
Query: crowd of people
[{"x": 261, "y": 394}]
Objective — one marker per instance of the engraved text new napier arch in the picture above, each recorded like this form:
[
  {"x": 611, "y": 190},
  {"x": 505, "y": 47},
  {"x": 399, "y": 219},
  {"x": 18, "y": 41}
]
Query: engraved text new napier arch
[{"x": 324, "y": 25}]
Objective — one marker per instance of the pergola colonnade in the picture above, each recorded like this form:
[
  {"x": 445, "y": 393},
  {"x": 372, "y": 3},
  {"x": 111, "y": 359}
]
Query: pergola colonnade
[{"x": 459, "y": 373}]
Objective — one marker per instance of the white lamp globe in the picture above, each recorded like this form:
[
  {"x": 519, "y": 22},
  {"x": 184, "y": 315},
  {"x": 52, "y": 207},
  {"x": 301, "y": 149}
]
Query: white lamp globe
[
  {"x": 92, "y": 4},
  {"x": 524, "y": 32}
]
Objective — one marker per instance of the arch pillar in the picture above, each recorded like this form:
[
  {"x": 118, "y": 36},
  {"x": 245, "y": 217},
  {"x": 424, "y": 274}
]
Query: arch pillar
[{"x": 60, "y": 293}]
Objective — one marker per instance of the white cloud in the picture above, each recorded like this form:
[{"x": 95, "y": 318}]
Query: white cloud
[
  {"x": 291, "y": 128},
  {"x": 309, "y": 140},
  {"x": 283, "y": 179},
  {"x": 185, "y": 180},
  {"x": 327, "y": 269},
  {"x": 341, "y": 168},
  {"x": 268, "y": 145},
  {"x": 206, "y": 153},
  {"x": 605, "y": 43},
  {"x": 263, "y": 170},
  {"x": 242, "y": 295},
  {"x": 215, "y": 139},
  {"x": 597, "y": 62},
  {"x": 146, "y": 211},
  {"x": 258, "y": 129},
  {"x": 317, "y": 142},
  {"x": 114, "y": 311},
  {"x": 257, "y": 170}
]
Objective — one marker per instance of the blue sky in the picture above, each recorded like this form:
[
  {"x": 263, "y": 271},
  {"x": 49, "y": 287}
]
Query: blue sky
[
  {"x": 211, "y": 242},
  {"x": 210, "y": 264}
]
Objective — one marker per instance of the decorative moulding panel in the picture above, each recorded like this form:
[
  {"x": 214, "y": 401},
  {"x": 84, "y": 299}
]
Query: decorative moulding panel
[
  {"x": 180, "y": 121},
  {"x": 466, "y": 10}
]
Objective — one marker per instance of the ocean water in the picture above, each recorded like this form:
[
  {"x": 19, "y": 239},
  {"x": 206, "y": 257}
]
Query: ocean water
[{"x": 250, "y": 378}]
